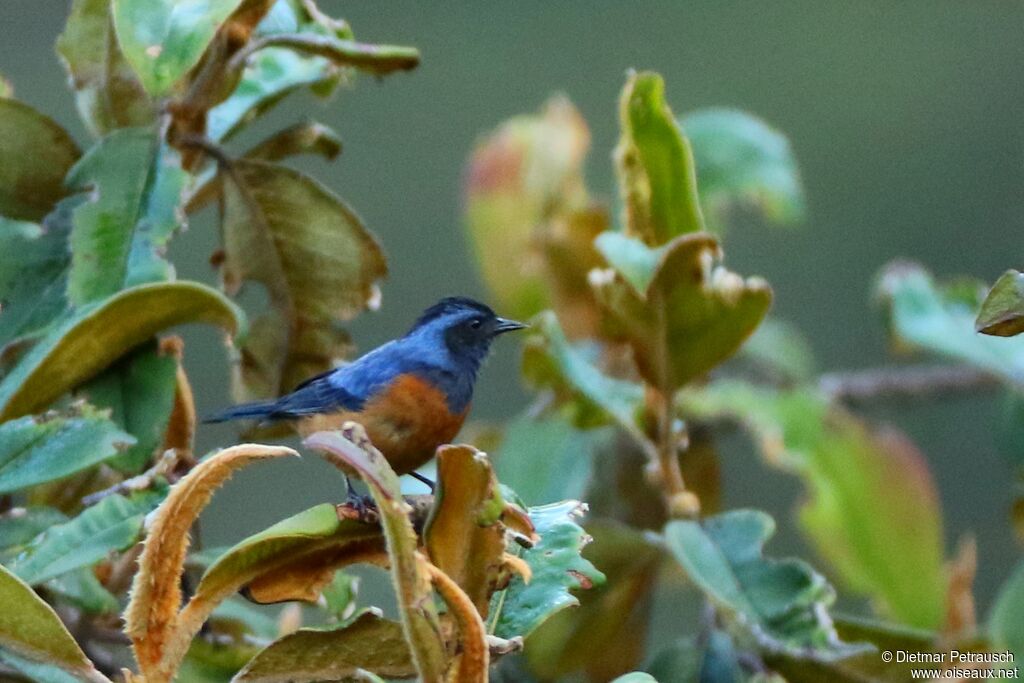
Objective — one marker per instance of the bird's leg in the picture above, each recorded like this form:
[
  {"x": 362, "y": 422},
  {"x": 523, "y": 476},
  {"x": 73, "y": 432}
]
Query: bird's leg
[
  {"x": 420, "y": 478},
  {"x": 362, "y": 506}
]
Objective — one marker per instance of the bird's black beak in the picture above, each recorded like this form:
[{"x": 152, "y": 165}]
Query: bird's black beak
[{"x": 504, "y": 325}]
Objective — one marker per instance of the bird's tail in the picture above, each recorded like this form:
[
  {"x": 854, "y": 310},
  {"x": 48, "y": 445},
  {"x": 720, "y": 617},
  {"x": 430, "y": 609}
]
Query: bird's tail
[{"x": 261, "y": 410}]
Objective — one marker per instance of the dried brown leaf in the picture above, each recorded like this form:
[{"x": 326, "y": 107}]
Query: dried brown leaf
[{"x": 152, "y": 620}]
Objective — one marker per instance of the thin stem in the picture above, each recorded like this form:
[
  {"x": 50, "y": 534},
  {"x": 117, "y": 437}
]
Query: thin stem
[{"x": 908, "y": 382}]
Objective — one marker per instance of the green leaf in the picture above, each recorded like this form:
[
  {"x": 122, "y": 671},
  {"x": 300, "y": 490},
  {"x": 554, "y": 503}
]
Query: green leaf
[
  {"x": 82, "y": 589},
  {"x": 1006, "y": 622},
  {"x": 940, "y": 319},
  {"x": 301, "y": 552},
  {"x": 742, "y": 161},
  {"x": 21, "y": 525},
  {"x": 550, "y": 361},
  {"x": 164, "y": 39},
  {"x": 1002, "y": 313},
  {"x": 891, "y": 549},
  {"x": 370, "y": 642},
  {"x": 778, "y": 348},
  {"x": 867, "y": 667},
  {"x": 269, "y": 76},
  {"x": 31, "y": 629},
  {"x": 557, "y": 567},
  {"x": 37, "y": 154},
  {"x": 139, "y": 391},
  {"x": 34, "y": 264},
  {"x": 111, "y": 525},
  {"x": 135, "y": 186},
  {"x": 520, "y": 180},
  {"x": 691, "y": 315},
  {"x": 544, "y": 459},
  {"x": 37, "y": 449},
  {"x": 781, "y": 603},
  {"x": 613, "y": 617},
  {"x": 90, "y": 339},
  {"x": 340, "y": 596},
  {"x": 655, "y": 165},
  {"x": 420, "y": 621},
  {"x": 107, "y": 91},
  {"x": 319, "y": 264},
  {"x": 37, "y": 671}
]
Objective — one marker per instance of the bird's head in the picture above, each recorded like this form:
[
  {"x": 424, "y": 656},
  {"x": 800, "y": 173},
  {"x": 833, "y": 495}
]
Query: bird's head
[{"x": 465, "y": 327}]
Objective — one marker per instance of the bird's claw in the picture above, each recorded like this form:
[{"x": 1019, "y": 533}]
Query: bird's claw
[{"x": 359, "y": 508}]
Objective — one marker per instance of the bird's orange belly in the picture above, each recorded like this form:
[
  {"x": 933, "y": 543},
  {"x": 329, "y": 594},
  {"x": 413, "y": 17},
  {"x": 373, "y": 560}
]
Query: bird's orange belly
[{"x": 406, "y": 422}]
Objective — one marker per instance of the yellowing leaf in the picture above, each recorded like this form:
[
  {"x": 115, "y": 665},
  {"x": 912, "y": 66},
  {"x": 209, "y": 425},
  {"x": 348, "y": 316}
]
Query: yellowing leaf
[
  {"x": 37, "y": 154},
  {"x": 679, "y": 309},
  {"x": 107, "y": 92},
  {"x": 464, "y": 535},
  {"x": 1002, "y": 313},
  {"x": 160, "y": 635},
  {"x": 30, "y": 628},
  {"x": 91, "y": 338},
  {"x": 291, "y": 560},
  {"x": 319, "y": 264},
  {"x": 522, "y": 181},
  {"x": 369, "y": 643}
]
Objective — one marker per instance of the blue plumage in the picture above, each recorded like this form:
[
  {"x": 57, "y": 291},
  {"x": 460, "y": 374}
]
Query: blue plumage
[{"x": 445, "y": 348}]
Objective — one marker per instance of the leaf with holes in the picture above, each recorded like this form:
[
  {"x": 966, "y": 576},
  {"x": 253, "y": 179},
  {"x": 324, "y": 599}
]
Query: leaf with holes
[
  {"x": 557, "y": 567},
  {"x": 612, "y": 617}
]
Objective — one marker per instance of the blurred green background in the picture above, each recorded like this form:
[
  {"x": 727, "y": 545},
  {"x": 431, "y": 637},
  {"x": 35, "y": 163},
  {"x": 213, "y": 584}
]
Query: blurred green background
[{"x": 904, "y": 117}]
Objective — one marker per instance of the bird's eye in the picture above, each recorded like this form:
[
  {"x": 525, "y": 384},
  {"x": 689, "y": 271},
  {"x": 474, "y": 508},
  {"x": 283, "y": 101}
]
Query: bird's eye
[{"x": 475, "y": 323}]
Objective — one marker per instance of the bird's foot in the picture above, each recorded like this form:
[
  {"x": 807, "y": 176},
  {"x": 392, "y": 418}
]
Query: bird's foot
[{"x": 360, "y": 508}]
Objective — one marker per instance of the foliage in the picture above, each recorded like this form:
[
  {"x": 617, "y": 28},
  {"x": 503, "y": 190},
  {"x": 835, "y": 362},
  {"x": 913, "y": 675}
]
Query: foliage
[{"x": 644, "y": 348}]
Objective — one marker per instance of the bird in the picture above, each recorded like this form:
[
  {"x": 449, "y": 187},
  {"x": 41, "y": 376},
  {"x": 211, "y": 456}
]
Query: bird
[{"x": 411, "y": 394}]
